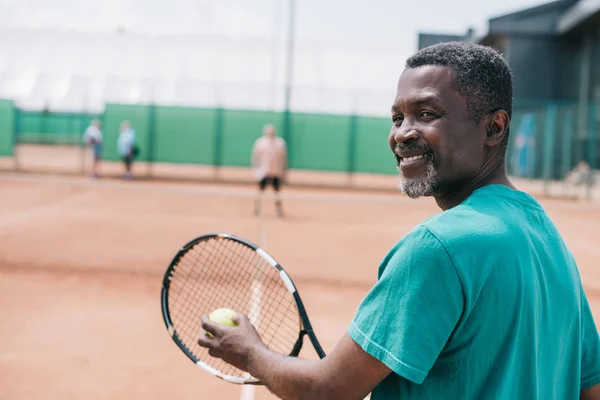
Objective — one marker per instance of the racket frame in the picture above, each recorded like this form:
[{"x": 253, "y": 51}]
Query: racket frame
[{"x": 305, "y": 325}]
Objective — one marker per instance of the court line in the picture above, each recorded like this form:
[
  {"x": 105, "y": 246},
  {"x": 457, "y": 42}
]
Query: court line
[
  {"x": 16, "y": 217},
  {"x": 209, "y": 189},
  {"x": 226, "y": 190},
  {"x": 61, "y": 269}
]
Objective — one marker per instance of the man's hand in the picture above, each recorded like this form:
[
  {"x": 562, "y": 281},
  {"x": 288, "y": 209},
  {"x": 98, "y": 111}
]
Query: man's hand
[
  {"x": 348, "y": 372},
  {"x": 234, "y": 345}
]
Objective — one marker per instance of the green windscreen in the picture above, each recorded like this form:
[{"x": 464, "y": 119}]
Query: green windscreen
[
  {"x": 184, "y": 135},
  {"x": 7, "y": 126},
  {"x": 320, "y": 142},
  {"x": 372, "y": 151}
]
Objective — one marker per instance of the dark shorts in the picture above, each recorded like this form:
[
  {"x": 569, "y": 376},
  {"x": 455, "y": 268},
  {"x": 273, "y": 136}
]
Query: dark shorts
[
  {"x": 97, "y": 150},
  {"x": 128, "y": 159},
  {"x": 270, "y": 180}
]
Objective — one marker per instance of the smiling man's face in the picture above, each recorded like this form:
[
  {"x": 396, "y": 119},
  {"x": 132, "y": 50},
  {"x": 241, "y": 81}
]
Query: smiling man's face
[{"x": 437, "y": 145}]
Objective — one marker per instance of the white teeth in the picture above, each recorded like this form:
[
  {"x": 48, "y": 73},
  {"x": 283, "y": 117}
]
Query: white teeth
[{"x": 414, "y": 158}]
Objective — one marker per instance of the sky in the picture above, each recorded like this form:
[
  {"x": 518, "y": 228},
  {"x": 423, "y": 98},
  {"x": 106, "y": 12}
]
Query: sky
[
  {"x": 387, "y": 23},
  {"x": 352, "y": 45}
]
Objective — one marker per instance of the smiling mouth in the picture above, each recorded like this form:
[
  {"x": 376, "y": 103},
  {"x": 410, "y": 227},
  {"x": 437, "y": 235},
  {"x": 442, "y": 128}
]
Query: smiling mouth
[
  {"x": 406, "y": 160},
  {"x": 413, "y": 153},
  {"x": 413, "y": 158}
]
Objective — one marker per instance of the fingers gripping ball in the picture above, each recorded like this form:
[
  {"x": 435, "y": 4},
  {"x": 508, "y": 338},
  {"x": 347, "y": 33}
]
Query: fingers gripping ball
[{"x": 223, "y": 316}]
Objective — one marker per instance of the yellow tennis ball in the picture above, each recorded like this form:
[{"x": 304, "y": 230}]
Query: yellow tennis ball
[{"x": 223, "y": 316}]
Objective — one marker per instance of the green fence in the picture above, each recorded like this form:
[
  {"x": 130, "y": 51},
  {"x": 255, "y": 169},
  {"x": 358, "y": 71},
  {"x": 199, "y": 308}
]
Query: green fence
[
  {"x": 224, "y": 137},
  {"x": 7, "y": 127},
  {"x": 51, "y": 128},
  {"x": 546, "y": 140}
]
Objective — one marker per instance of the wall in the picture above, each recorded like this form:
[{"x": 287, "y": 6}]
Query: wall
[{"x": 7, "y": 126}]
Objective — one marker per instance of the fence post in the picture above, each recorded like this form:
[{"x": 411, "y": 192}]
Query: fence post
[
  {"x": 591, "y": 154},
  {"x": 43, "y": 123},
  {"x": 352, "y": 148},
  {"x": 218, "y": 150},
  {"x": 16, "y": 128},
  {"x": 151, "y": 136},
  {"x": 568, "y": 134},
  {"x": 81, "y": 144},
  {"x": 548, "y": 154},
  {"x": 287, "y": 134}
]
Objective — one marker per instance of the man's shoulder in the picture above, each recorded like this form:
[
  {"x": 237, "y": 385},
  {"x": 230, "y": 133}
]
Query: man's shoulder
[
  {"x": 420, "y": 244},
  {"x": 466, "y": 227},
  {"x": 453, "y": 238},
  {"x": 260, "y": 141}
]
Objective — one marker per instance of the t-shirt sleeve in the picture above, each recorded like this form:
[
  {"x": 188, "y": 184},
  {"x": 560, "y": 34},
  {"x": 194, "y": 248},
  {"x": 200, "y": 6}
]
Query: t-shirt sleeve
[
  {"x": 590, "y": 354},
  {"x": 408, "y": 316}
]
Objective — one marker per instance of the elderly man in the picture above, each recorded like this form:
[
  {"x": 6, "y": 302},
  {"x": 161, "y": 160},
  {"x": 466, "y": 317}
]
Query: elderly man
[{"x": 483, "y": 300}]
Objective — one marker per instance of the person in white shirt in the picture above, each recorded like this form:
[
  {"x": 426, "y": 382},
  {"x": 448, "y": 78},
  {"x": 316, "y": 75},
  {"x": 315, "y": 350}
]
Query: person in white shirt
[
  {"x": 581, "y": 174},
  {"x": 126, "y": 147},
  {"x": 92, "y": 137},
  {"x": 269, "y": 161}
]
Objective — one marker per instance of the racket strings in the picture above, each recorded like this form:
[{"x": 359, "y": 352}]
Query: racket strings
[{"x": 221, "y": 272}]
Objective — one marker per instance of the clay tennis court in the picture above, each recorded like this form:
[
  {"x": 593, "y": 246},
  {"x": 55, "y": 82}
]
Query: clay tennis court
[{"x": 81, "y": 264}]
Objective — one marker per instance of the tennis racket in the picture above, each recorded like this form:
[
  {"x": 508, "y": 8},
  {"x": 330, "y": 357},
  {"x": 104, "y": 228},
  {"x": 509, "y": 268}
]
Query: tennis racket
[{"x": 223, "y": 270}]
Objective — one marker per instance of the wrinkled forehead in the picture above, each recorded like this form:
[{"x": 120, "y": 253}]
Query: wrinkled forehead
[{"x": 426, "y": 84}]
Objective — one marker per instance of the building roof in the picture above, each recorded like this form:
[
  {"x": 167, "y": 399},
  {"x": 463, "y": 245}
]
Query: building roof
[
  {"x": 578, "y": 14},
  {"x": 550, "y": 19},
  {"x": 535, "y": 11}
]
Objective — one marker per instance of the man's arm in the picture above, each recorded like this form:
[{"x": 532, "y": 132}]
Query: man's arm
[
  {"x": 590, "y": 352},
  {"x": 254, "y": 157},
  {"x": 285, "y": 159},
  {"x": 592, "y": 393},
  {"x": 348, "y": 372},
  {"x": 86, "y": 136}
]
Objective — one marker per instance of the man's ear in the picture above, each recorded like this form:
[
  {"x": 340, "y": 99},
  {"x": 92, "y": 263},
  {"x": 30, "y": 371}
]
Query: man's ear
[{"x": 496, "y": 128}]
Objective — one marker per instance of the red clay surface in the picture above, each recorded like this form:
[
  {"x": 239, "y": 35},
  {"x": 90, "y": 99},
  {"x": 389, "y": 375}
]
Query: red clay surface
[{"x": 81, "y": 264}]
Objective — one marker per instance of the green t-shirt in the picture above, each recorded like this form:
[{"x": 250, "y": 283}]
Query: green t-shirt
[{"x": 482, "y": 301}]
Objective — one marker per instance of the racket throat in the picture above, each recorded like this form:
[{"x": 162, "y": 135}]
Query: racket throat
[{"x": 298, "y": 345}]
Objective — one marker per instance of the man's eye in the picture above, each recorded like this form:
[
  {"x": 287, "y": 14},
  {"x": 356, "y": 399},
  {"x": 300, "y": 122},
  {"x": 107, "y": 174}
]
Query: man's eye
[
  {"x": 427, "y": 114},
  {"x": 398, "y": 118}
]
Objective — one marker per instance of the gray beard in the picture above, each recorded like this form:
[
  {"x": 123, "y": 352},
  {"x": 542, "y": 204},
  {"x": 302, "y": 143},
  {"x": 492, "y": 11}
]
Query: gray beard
[{"x": 424, "y": 186}]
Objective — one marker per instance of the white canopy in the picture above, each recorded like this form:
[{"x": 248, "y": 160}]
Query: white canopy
[{"x": 78, "y": 72}]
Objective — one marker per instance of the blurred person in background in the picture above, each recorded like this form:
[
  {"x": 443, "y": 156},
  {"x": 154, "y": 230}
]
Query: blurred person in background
[
  {"x": 126, "y": 147},
  {"x": 269, "y": 161},
  {"x": 93, "y": 137},
  {"x": 581, "y": 174},
  {"x": 580, "y": 178}
]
